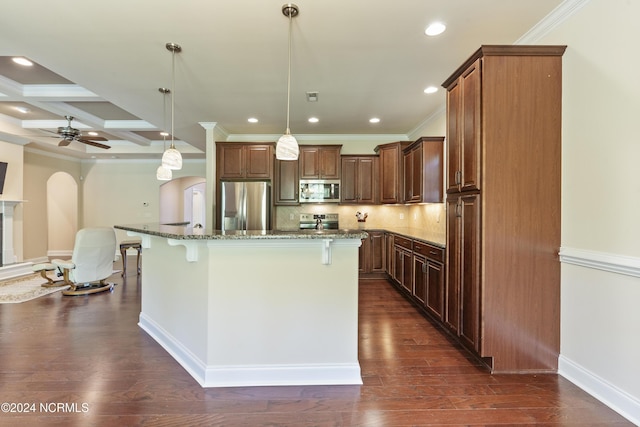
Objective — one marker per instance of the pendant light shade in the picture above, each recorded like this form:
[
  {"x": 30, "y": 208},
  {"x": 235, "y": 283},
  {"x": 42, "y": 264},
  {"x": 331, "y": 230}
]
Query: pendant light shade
[
  {"x": 163, "y": 174},
  {"x": 172, "y": 159},
  {"x": 287, "y": 146}
]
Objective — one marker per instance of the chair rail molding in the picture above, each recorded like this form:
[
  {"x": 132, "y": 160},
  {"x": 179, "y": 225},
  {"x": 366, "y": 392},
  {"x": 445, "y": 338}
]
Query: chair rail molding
[{"x": 613, "y": 263}]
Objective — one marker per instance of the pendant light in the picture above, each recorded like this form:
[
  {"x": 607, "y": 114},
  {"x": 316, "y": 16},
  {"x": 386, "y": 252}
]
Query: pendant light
[
  {"x": 287, "y": 146},
  {"x": 163, "y": 173},
  {"x": 172, "y": 159}
]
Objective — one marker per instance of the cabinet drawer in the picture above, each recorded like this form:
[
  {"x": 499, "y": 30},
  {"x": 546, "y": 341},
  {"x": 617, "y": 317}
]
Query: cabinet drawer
[
  {"x": 434, "y": 253},
  {"x": 401, "y": 241}
]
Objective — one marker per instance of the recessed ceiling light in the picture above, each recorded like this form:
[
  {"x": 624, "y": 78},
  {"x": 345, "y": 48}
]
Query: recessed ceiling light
[
  {"x": 435, "y": 29},
  {"x": 431, "y": 89},
  {"x": 23, "y": 110},
  {"x": 374, "y": 120},
  {"x": 22, "y": 61},
  {"x": 252, "y": 120},
  {"x": 92, "y": 133},
  {"x": 313, "y": 120},
  {"x": 164, "y": 133}
]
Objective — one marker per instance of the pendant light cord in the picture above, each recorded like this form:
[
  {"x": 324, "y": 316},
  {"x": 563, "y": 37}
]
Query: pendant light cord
[
  {"x": 289, "y": 72},
  {"x": 173, "y": 91}
]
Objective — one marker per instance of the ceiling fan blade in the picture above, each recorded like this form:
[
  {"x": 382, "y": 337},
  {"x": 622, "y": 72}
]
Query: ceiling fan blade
[
  {"x": 95, "y": 144},
  {"x": 94, "y": 138},
  {"x": 64, "y": 143}
]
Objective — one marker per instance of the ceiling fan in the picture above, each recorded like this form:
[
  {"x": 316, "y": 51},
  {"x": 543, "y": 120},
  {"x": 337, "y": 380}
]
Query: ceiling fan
[{"x": 69, "y": 134}]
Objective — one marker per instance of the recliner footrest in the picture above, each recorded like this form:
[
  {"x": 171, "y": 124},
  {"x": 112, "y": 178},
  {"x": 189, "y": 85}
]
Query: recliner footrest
[{"x": 45, "y": 267}]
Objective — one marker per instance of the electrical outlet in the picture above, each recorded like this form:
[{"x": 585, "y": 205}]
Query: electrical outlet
[
  {"x": 401, "y": 216},
  {"x": 291, "y": 217}
]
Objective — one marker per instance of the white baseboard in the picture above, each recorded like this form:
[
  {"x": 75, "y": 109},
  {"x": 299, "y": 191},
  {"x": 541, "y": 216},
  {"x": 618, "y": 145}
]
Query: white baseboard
[
  {"x": 251, "y": 375},
  {"x": 64, "y": 254},
  {"x": 618, "y": 400},
  {"x": 15, "y": 270}
]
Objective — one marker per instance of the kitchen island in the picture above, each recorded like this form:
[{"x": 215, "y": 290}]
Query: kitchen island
[{"x": 251, "y": 308}]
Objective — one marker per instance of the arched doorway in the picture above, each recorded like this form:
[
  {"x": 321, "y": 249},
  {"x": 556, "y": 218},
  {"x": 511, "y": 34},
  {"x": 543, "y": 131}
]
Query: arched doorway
[{"x": 62, "y": 214}]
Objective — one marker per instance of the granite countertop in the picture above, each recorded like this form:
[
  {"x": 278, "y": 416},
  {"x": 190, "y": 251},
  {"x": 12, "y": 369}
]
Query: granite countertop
[
  {"x": 186, "y": 232},
  {"x": 414, "y": 233}
]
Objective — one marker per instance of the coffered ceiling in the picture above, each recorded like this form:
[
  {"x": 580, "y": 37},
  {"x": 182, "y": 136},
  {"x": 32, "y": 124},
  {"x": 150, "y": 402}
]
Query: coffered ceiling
[{"x": 103, "y": 62}]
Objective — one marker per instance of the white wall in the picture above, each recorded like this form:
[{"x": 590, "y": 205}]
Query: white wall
[
  {"x": 14, "y": 156},
  {"x": 115, "y": 192},
  {"x": 600, "y": 333}
]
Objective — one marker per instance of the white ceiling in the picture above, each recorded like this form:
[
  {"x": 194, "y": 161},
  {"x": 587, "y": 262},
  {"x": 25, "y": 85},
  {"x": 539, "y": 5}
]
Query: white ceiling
[{"x": 103, "y": 62}]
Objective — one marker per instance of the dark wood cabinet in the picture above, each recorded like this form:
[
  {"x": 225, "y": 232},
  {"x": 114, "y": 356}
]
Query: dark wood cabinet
[
  {"x": 372, "y": 256},
  {"x": 429, "y": 277},
  {"x": 403, "y": 262},
  {"x": 463, "y": 280},
  {"x": 463, "y": 130},
  {"x": 423, "y": 170},
  {"x": 359, "y": 182},
  {"x": 319, "y": 161},
  {"x": 391, "y": 169},
  {"x": 244, "y": 160},
  {"x": 286, "y": 183},
  {"x": 503, "y": 206}
]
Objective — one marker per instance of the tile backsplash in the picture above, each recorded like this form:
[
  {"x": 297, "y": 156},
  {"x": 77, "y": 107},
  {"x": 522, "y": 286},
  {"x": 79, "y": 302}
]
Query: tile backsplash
[{"x": 428, "y": 217}]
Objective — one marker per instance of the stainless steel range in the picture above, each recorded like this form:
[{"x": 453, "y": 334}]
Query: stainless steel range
[{"x": 319, "y": 221}]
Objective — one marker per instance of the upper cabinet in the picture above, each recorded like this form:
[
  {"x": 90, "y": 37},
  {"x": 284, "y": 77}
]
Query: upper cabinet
[
  {"x": 463, "y": 130},
  {"x": 359, "y": 182},
  {"x": 244, "y": 160},
  {"x": 391, "y": 171},
  {"x": 319, "y": 161},
  {"x": 423, "y": 170}
]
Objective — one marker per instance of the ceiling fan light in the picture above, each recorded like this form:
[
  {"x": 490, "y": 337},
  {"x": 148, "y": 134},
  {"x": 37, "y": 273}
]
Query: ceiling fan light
[
  {"x": 172, "y": 159},
  {"x": 163, "y": 174},
  {"x": 287, "y": 147}
]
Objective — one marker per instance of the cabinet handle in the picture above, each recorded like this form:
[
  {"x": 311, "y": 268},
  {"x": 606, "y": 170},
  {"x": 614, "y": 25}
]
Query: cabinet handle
[
  {"x": 458, "y": 177},
  {"x": 433, "y": 252},
  {"x": 458, "y": 209},
  {"x": 424, "y": 267}
]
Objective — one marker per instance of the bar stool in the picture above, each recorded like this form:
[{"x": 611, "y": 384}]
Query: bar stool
[{"x": 126, "y": 244}]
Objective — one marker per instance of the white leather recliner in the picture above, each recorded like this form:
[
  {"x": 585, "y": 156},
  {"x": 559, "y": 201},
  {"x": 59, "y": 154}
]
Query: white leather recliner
[{"x": 91, "y": 262}]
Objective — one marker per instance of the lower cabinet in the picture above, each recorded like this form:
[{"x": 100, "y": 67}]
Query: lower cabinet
[
  {"x": 418, "y": 272},
  {"x": 372, "y": 255}
]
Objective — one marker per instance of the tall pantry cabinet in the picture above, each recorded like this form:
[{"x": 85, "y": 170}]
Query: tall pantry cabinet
[{"x": 503, "y": 206}]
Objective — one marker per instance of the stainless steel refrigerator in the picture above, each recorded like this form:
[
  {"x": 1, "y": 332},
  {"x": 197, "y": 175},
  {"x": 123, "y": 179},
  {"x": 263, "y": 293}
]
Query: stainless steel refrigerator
[{"x": 245, "y": 205}]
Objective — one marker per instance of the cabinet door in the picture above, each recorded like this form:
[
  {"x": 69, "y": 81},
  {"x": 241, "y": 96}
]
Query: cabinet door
[
  {"x": 258, "y": 161},
  {"x": 390, "y": 179},
  {"x": 286, "y": 182},
  {"x": 329, "y": 163},
  {"x": 452, "y": 285},
  {"x": 464, "y": 131},
  {"x": 435, "y": 289},
  {"x": 367, "y": 180},
  {"x": 472, "y": 130},
  {"x": 389, "y": 255},
  {"x": 309, "y": 162},
  {"x": 420, "y": 278},
  {"x": 470, "y": 274},
  {"x": 349, "y": 183},
  {"x": 364, "y": 256},
  {"x": 231, "y": 161},
  {"x": 377, "y": 251},
  {"x": 463, "y": 268}
]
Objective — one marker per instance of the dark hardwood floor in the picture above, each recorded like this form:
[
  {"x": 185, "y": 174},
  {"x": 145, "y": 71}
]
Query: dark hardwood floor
[{"x": 88, "y": 363}]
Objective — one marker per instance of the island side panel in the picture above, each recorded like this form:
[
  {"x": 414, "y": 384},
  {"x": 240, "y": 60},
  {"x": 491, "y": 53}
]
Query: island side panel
[
  {"x": 174, "y": 302},
  {"x": 278, "y": 312}
]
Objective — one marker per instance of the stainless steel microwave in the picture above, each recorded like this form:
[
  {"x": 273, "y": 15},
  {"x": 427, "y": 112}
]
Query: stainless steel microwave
[{"x": 319, "y": 191}]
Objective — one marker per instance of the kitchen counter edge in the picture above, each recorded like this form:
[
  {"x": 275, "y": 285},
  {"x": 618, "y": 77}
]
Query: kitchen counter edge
[{"x": 181, "y": 232}]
